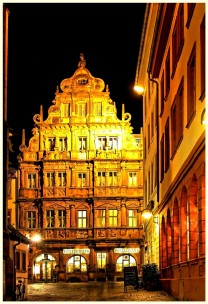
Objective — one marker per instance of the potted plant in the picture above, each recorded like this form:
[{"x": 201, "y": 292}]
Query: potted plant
[{"x": 151, "y": 276}]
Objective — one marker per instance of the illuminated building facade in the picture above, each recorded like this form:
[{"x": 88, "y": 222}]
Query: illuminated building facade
[
  {"x": 81, "y": 185},
  {"x": 171, "y": 69}
]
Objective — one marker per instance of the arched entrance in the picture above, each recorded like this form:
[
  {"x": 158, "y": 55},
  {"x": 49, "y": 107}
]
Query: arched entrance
[
  {"x": 125, "y": 260},
  {"x": 43, "y": 267}
]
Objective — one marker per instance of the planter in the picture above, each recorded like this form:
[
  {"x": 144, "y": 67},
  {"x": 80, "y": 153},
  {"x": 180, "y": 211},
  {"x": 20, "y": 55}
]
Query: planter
[{"x": 151, "y": 276}]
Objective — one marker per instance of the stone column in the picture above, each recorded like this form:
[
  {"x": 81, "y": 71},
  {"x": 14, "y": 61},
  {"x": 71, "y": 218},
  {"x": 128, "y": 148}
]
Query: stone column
[
  {"x": 123, "y": 215},
  {"x": 73, "y": 222}
]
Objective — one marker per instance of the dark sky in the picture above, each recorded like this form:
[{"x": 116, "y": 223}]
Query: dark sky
[{"x": 45, "y": 40}]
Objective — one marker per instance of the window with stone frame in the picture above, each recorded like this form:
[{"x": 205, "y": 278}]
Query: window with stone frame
[
  {"x": 50, "y": 218},
  {"x": 50, "y": 179},
  {"x": 82, "y": 219},
  {"x": 82, "y": 179},
  {"x": 98, "y": 108},
  {"x": 51, "y": 143},
  {"x": 100, "y": 217},
  {"x": 101, "y": 179},
  {"x": 62, "y": 143},
  {"x": 61, "y": 179},
  {"x": 31, "y": 180},
  {"x": 82, "y": 109},
  {"x": 82, "y": 143},
  {"x": 132, "y": 218},
  {"x": 113, "y": 179},
  {"x": 101, "y": 259},
  {"x": 191, "y": 85},
  {"x": 61, "y": 218},
  {"x": 132, "y": 179},
  {"x": 113, "y": 217},
  {"x": 31, "y": 219}
]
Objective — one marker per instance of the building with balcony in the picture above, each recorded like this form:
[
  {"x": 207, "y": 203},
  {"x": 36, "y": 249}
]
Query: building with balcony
[
  {"x": 81, "y": 185},
  {"x": 171, "y": 71}
]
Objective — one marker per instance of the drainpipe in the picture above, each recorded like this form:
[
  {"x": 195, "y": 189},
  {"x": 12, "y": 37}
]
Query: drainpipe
[
  {"x": 157, "y": 133},
  {"x": 14, "y": 270}
]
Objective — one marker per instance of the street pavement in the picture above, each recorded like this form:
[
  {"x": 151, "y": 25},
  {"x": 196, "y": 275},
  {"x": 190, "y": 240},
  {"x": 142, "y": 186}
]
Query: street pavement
[{"x": 92, "y": 291}]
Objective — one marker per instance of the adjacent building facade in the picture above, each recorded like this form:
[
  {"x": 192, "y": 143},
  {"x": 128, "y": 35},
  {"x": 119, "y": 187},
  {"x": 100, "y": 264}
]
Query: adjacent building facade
[
  {"x": 171, "y": 70},
  {"x": 81, "y": 185}
]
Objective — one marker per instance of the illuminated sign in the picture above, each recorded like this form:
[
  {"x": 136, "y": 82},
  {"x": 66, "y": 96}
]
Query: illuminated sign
[
  {"x": 76, "y": 251},
  {"x": 126, "y": 250}
]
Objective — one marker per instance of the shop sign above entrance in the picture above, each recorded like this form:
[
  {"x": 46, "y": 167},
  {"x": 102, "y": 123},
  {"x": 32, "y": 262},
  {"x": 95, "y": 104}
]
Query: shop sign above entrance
[
  {"x": 76, "y": 251},
  {"x": 126, "y": 250}
]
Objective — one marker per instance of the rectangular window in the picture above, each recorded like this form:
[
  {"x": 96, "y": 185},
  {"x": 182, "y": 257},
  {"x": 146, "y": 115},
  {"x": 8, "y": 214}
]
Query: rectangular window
[
  {"x": 23, "y": 261},
  {"x": 191, "y": 85},
  {"x": 82, "y": 180},
  {"x": 17, "y": 258},
  {"x": 178, "y": 37},
  {"x": 82, "y": 109},
  {"x": 113, "y": 143},
  {"x": 101, "y": 179},
  {"x": 82, "y": 143},
  {"x": 61, "y": 179},
  {"x": 101, "y": 260},
  {"x": 113, "y": 214},
  {"x": 167, "y": 75},
  {"x": 202, "y": 53},
  {"x": 98, "y": 109},
  {"x": 62, "y": 144},
  {"x": 100, "y": 218},
  {"x": 162, "y": 94},
  {"x": 82, "y": 219},
  {"x": 113, "y": 179},
  {"x": 61, "y": 218},
  {"x": 101, "y": 143},
  {"x": 51, "y": 143},
  {"x": 167, "y": 146},
  {"x": 162, "y": 158},
  {"x": 31, "y": 219},
  {"x": 132, "y": 179},
  {"x": 50, "y": 176},
  {"x": 132, "y": 218},
  {"x": 31, "y": 180},
  {"x": 50, "y": 219}
]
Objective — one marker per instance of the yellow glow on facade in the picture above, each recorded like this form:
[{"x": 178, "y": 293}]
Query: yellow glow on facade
[
  {"x": 36, "y": 238},
  {"x": 147, "y": 214}
]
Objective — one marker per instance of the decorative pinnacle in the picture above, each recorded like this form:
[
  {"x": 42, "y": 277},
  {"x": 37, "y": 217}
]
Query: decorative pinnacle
[{"x": 82, "y": 62}]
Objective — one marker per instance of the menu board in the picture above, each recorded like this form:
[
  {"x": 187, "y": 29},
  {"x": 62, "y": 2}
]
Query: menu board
[{"x": 130, "y": 277}]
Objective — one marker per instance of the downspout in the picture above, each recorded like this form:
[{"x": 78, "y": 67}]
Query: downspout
[{"x": 14, "y": 270}]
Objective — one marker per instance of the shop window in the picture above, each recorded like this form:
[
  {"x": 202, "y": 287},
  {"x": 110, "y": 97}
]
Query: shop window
[
  {"x": 184, "y": 229},
  {"x": 113, "y": 214},
  {"x": 82, "y": 180},
  {"x": 82, "y": 219},
  {"x": 31, "y": 219},
  {"x": 98, "y": 109},
  {"x": 100, "y": 218},
  {"x": 132, "y": 218},
  {"x": 77, "y": 263},
  {"x": 31, "y": 180},
  {"x": 169, "y": 240},
  {"x": 50, "y": 176},
  {"x": 82, "y": 109},
  {"x": 50, "y": 218},
  {"x": 61, "y": 218},
  {"x": 132, "y": 179},
  {"x": 125, "y": 261},
  {"x": 51, "y": 143},
  {"x": 62, "y": 143},
  {"x": 101, "y": 259},
  {"x": 61, "y": 179},
  {"x": 175, "y": 233},
  {"x": 82, "y": 143}
]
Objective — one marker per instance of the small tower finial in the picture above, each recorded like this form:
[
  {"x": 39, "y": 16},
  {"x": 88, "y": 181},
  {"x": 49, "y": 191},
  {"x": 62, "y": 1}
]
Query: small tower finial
[{"x": 82, "y": 62}]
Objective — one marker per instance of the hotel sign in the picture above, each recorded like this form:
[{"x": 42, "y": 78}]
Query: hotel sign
[
  {"x": 126, "y": 250},
  {"x": 76, "y": 251}
]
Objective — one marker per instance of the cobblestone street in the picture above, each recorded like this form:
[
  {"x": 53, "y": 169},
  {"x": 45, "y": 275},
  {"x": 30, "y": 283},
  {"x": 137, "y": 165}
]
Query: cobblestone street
[{"x": 92, "y": 291}]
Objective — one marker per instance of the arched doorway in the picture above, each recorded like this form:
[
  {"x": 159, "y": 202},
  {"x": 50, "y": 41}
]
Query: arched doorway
[
  {"x": 43, "y": 267},
  {"x": 125, "y": 260}
]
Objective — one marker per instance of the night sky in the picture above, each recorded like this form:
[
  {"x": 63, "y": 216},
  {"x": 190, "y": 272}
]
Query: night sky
[{"x": 45, "y": 41}]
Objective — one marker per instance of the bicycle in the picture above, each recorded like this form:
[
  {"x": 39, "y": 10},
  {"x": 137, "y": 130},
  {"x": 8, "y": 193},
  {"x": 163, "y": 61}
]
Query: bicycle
[{"x": 20, "y": 291}]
